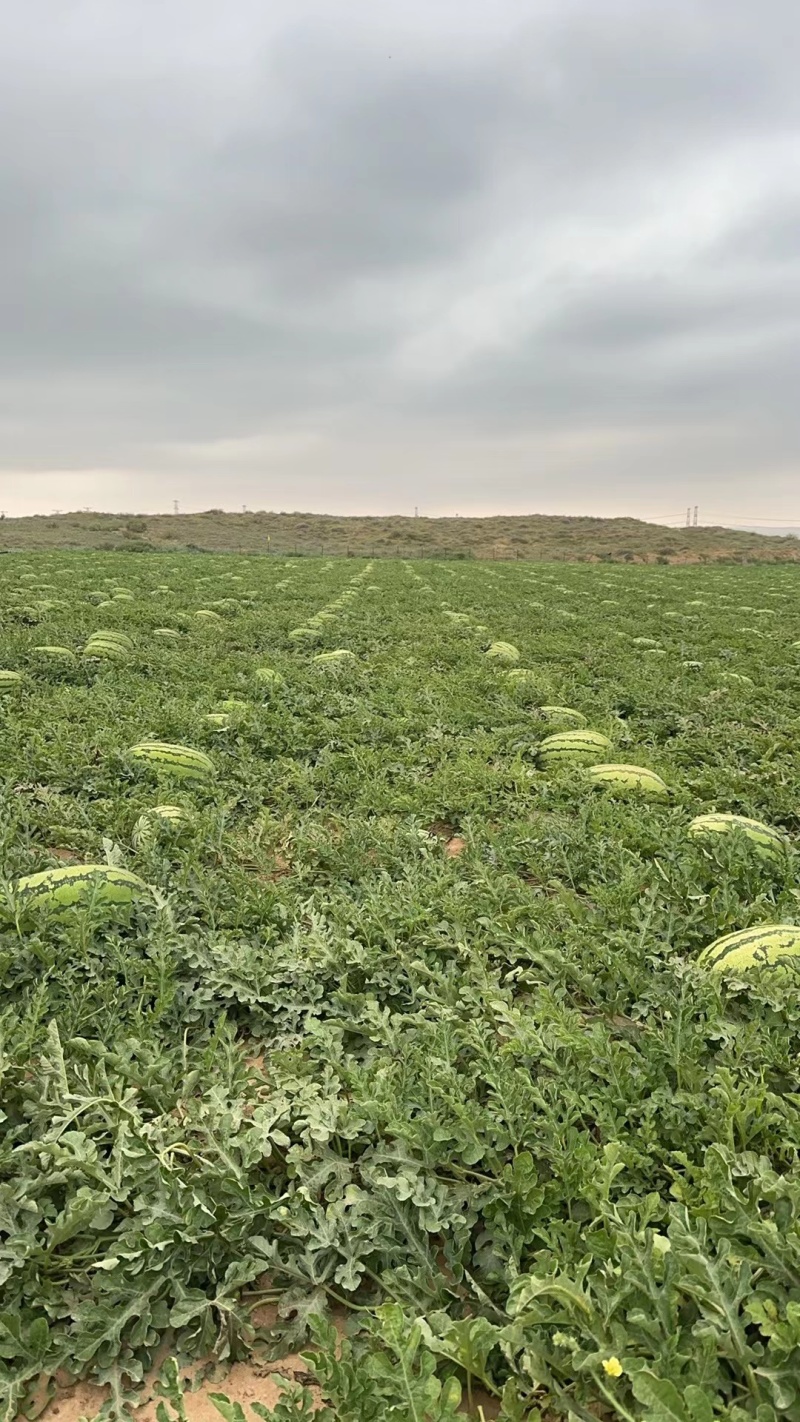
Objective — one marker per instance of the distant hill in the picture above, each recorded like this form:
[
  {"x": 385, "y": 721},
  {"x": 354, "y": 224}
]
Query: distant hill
[
  {"x": 527, "y": 536},
  {"x": 770, "y": 532}
]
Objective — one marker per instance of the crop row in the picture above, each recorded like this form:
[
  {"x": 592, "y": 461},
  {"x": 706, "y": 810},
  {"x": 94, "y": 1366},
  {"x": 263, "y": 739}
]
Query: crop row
[{"x": 409, "y": 1021}]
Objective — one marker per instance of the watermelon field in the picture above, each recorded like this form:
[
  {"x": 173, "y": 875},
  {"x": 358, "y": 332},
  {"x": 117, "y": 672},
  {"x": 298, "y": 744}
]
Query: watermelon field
[{"x": 345, "y": 1012}]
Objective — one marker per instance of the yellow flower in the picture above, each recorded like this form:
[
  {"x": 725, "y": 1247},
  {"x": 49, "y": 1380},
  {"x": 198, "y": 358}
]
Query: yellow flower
[{"x": 612, "y": 1367}]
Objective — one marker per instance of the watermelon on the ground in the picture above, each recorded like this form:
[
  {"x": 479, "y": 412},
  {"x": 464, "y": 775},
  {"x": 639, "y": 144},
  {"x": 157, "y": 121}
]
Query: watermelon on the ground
[{"x": 766, "y": 945}]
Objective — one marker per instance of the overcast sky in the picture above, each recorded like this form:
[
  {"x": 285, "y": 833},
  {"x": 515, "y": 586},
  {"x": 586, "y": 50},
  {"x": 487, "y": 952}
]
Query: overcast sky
[{"x": 347, "y": 256}]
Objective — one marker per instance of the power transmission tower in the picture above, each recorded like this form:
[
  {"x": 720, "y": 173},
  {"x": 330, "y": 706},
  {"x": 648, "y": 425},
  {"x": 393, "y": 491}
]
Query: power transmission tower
[
  {"x": 174, "y": 506},
  {"x": 688, "y": 518},
  {"x": 694, "y": 520}
]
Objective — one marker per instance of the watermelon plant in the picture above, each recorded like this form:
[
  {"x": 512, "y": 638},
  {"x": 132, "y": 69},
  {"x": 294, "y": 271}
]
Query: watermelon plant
[{"x": 429, "y": 1006}]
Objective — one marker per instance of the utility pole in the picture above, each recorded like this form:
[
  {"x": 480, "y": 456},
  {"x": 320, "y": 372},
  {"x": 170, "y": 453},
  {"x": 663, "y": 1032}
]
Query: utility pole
[{"x": 694, "y": 521}]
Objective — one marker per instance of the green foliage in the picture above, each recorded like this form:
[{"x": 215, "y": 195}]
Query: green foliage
[{"x": 408, "y": 1027}]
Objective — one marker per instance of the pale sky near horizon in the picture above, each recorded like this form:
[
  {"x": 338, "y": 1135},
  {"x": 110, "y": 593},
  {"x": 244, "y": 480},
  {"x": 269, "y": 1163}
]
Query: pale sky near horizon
[{"x": 526, "y": 256}]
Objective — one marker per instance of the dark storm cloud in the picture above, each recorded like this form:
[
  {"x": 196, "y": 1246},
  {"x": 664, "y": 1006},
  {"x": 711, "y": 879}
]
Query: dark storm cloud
[
  {"x": 318, "y": 240},
  {"x": 369, "y": 175}
]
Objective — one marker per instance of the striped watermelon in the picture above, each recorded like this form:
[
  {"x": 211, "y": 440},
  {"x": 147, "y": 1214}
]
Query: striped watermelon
[
  {"x": 100, "y": 649},
  {"x": 269, "y": 677},
  {"x": 341, "y": 654},
  {"x": 563, "y": 716},
  {"x": 9, "y": 679},
  {"x": 158, "y": 820},
  {"x": 116, "y": 646},
  {"x": 112, "y": 634},
  {"x": 570, "y": 746},
  {"x": 766, "y": 945},
  {"x": 766, "y": 839},
  {"x": 169, "y": 634},
  {"x": 738, "y": 676},
  {"x": 505, "y": 653},
  {"x": 629, "y": 779},
  {"x": 182, "y": 762},
  {"x": 522, "y": 682},
  {"x": 64, "y": 654},
  {"x": 77, "y": 883}
]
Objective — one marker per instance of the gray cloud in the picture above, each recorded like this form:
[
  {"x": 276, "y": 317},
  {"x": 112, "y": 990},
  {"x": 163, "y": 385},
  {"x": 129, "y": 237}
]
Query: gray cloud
[{"x": 533, "y": 255}]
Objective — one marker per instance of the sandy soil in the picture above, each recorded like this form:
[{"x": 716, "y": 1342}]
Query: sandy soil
[
  {"x": 245, "y": 1383},
  {"x": 252, "y": 1381}
]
